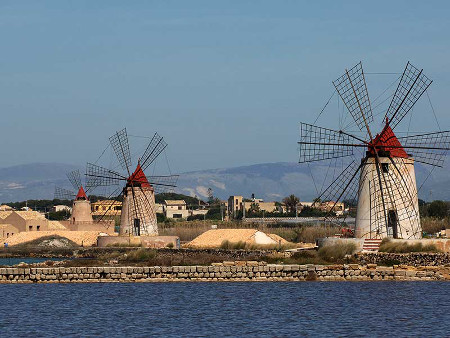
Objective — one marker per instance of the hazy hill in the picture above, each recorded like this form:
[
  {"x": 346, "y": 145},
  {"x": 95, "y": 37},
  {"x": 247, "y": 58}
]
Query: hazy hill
[{"x": 271, "y": 181}]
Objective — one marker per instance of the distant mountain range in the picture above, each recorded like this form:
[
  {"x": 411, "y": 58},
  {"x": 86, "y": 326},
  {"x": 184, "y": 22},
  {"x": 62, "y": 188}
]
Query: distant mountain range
[{"x": 270, "y": 181}]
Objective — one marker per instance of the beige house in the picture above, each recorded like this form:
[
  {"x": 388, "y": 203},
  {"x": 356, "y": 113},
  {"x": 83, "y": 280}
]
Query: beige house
[
  {"x": 195, "y": 212},
  {"x": 175, "y": 209},
  {"x": 237, "y": 204},
  {"x": 4, "y": 214},
  {"x": 7, "y": 230},
  {"x": 5, "y": 207},
  {"x": 25, "y": 221},
  {"x": 61, "y": 207},
  {"x": 338, "y": 207},
  {"x": 106, "y": 207}
]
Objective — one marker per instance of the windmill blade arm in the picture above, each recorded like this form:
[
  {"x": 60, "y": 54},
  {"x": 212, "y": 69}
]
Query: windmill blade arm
[
  {"x": 344, "y": 187},
  {"x": 429, "y": 148},
  {"x": 75, "y": 179},
  {"x": 114, "y": 193},
  {"x": 119, "y": 142},
  {"x": 64, "y": 194},
  {"x": 154, "y": 148},
  {"x": 412, "y": 85},
  {"x": 97, "y": 176},
  {"x": 318, "y": 143},
  {"x": 162, "y": 184},
  {"x": 352, "y": 89}
]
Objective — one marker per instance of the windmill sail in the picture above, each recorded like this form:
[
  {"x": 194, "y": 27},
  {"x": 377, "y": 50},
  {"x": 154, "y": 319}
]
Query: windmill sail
[
  {"x": 163, "y": 184},
  {"x": 119, "y": 142},
  {"x": 413, "y": 84},
  {"x": 75, "y": 179},
  {"x": 429, "y": 148},
  {"x": 154, "y": 148},
  {"x": 352, "y": 89},
  {"x": 343, "y": 188},
  {"x": 98, "y": 176},
  {"x": 317, "y": 143},
  {"x": 64, "y": 194}
]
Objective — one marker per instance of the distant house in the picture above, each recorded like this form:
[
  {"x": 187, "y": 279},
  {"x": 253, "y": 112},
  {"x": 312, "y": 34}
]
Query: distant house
[
  {"x": 107, "y": 208},
  {"x": 25, "y": 221},
  {"x": 338, "y": 207},
  {"x": 175, "y": 209},
  {"x": 7, "y": 230},
  {"x": 5, "y": 207},
  {"x": 237, "y": 203},
  {"x": 196, "y": 212},
  {"x": 61, "y": 207},
  {"x": 4, "y": 214}
]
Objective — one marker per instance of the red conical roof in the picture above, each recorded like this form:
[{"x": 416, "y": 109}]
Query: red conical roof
[
  {"x": 387, "y": 141},
  {"x": 81, "y": 194},
  {"x": 138, "y": 178}
]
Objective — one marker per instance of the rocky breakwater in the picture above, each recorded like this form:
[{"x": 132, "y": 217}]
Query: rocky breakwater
[{"x": 226, "y": 271}]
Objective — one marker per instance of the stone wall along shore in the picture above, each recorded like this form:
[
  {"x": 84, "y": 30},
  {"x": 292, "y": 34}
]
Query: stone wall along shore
[
  {"x": 227, "y": 271},
  {"x": 412, "y": 258}
]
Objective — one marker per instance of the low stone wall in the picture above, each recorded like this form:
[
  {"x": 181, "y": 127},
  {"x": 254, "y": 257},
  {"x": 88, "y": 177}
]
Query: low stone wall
[
  {"x": 227, "y": 271},
  {"x": 411, "y": 259}
]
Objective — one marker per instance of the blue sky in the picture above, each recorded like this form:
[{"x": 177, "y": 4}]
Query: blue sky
[{"x": 225, "y": 82}]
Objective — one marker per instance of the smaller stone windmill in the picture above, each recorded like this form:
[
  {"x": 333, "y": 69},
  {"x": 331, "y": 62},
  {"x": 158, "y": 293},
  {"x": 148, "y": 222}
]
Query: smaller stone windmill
[
  {"x": 137, "y": 192},
  {"x": 81, "y": 208}
]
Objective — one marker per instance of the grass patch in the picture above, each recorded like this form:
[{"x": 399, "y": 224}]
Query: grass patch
[
  {"x": 227, "y": 245},
  {"x": 140, "y": 255},
  {"x": 336, "y": 252},
  {"x": 403, "y": 247},
  {"x": 124, "y": 245},
  {"x": 432, "y": 225}
]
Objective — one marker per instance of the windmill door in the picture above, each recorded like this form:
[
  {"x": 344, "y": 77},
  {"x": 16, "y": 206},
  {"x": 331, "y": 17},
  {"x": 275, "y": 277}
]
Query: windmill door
[
  {"x": 392, "y": 223},
  {"x": 137, "y": 227}
]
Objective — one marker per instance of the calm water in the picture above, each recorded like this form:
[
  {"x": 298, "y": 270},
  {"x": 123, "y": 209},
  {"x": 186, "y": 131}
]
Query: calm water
[
  {"x": 29, "y": 260},
  {"x": 227, "y": 309}
]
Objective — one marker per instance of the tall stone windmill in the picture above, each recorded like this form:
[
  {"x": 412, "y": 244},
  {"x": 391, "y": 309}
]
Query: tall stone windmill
[
  {"x": 387, "y": 200},
  {"x": 81, "y": 207},
  {"x": 137, "y": 191}
]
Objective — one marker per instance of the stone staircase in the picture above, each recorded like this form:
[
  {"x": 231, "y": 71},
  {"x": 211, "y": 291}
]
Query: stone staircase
[{"x": 371, "y": 244}]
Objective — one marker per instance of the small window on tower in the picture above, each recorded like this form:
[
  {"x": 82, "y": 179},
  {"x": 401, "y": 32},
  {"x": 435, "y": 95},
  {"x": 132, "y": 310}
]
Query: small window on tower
[{"x": 385, "y": 167}]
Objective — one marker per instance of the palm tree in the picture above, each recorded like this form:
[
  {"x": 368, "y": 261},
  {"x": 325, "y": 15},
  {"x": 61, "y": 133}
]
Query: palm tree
[{"x": 291, "y": 203}]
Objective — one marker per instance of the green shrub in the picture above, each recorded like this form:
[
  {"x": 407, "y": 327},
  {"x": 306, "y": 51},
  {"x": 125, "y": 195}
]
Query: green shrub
[
  {"x": 403, "y": 247},
  {"x": 140, "y": 255},
  {"x": 124, "y": 245},
  {"x": 230, "y": 245},
  {"x": 336, "y": 252}
]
